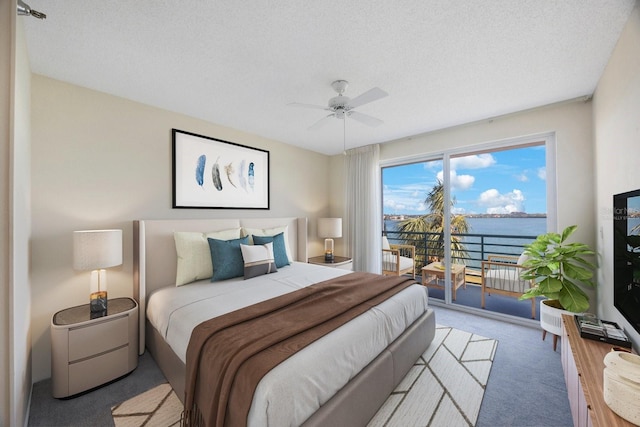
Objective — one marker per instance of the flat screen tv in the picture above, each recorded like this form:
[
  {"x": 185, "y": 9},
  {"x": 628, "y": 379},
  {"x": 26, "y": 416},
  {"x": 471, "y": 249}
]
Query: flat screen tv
[{"x": 626, "y": 256}]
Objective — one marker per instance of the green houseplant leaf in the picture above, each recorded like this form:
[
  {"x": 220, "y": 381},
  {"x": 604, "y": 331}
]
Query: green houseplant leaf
[{"x": 558, "y": 270}]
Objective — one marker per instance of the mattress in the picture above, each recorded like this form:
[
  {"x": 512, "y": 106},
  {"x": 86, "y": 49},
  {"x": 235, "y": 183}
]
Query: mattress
[{"x": 292, "y": 391}]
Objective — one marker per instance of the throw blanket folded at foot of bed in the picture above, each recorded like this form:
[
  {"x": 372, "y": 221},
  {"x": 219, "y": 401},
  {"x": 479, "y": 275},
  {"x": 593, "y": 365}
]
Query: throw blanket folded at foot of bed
[{"x": 227, "y": 356}]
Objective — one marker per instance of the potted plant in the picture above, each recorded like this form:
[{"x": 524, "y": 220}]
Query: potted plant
[{"x": 558, "y": 271}]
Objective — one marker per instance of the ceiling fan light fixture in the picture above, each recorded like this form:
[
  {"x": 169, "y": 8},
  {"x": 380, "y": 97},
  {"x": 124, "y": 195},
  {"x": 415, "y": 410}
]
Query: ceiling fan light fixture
[
  {"x": 340, "y": 86},
  {"x": 342, "y": 107}
]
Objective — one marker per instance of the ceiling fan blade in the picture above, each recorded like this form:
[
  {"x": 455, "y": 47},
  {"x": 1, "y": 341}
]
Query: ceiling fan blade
[
  {"x": 365, "y": 118},
  {"x": 323, "y": 121},
  {"x": 369, "y": 96},
  {"x": 315, "y": 107}
]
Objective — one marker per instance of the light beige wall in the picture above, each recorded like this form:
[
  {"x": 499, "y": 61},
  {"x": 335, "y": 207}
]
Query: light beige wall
[
  {"x": 21, "y": 231},
  {"x": 616, "y": 117},
  {"x": 15, "y": 338},
  {"x": 102, "y": 161},
  {"x": 6, "y": 63}
]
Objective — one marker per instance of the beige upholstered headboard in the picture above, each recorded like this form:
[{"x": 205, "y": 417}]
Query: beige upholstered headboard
[{"x": 155, "y": 258}]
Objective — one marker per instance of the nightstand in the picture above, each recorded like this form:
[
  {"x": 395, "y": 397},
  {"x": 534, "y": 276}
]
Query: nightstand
[
  {"x": 338, "y": 262},
  {"x": 87, "y": 352}
]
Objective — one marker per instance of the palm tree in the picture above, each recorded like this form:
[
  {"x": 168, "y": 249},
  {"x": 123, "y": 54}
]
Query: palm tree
[{"x": 426, "y": 232}]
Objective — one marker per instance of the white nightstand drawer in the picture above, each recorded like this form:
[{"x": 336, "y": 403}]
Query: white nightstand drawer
[
  {"x": 98, "y": 370},
  {"x": 99, "y": 337}
]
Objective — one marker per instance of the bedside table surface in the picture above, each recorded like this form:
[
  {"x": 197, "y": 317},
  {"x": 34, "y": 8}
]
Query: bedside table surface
[
  {"x": 336, "y": 260},
  {"x": 81, "y": 313}
]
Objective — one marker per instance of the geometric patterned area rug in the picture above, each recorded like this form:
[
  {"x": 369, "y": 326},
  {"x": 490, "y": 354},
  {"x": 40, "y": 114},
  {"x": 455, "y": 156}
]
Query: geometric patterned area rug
[
  {"x": 444, "y": 387},
  {"x": 158, "y": 407}
]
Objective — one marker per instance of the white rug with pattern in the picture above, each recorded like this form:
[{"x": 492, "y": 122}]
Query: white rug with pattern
[{"x": 444, "y": 387}]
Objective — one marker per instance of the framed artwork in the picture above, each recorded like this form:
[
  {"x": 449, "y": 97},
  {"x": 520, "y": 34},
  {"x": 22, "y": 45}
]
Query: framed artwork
[{"x": 210, "y": 173}]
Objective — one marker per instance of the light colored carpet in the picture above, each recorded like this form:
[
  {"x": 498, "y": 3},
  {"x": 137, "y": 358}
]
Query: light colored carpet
[{"x": 444, "y": 387}]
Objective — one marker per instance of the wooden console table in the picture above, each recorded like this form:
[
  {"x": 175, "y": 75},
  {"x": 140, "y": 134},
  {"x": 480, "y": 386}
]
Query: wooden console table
[{"x": 583, "y": 365}]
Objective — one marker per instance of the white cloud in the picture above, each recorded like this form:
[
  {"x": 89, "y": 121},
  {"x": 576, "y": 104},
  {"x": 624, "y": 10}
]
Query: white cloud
[
  {"x": 476, "y": 161},
  {"x": 497, "y": 203},
  {"x": 542, "y": 173},
  {"x": 406, "y": 198},
  {"x": 522, "y": 177},
  {"x": 458, "y": 182}
]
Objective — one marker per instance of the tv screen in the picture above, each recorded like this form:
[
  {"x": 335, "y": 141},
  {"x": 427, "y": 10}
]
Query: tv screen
[{"x": 626, "y": 256}]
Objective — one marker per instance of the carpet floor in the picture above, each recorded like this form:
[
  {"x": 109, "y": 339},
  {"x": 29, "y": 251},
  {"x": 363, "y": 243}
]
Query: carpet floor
[{"x": 444, "y": 387}]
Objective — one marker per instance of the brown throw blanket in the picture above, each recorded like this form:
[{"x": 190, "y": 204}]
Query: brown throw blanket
[{"x": 227, "y": 356}]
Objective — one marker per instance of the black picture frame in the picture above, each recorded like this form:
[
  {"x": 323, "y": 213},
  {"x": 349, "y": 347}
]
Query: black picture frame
[{"x": 210, "y": 173}]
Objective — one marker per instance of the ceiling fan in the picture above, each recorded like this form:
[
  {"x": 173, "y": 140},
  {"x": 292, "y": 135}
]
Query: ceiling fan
[{"x": 342, "y": 106}]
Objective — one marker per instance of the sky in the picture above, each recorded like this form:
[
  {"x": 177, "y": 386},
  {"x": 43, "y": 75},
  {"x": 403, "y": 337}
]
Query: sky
[{"x": 500, "y": 182}]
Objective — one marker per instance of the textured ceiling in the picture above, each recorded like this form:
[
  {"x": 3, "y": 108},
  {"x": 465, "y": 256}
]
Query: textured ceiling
[{"x": 239, "y": 63}]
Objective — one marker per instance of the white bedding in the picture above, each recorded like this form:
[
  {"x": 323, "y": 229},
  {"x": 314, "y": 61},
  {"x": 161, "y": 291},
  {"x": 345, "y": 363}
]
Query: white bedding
[{"x": 291, "y": 392}]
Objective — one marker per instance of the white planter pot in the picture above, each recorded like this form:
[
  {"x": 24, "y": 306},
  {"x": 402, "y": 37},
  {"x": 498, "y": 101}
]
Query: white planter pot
[{"x": 551, "y": 318}]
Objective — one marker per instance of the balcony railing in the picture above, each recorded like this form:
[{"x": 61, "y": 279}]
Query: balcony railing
[
  {"x": 471, "y": 250},
  {"x": 474, "y": 248}
]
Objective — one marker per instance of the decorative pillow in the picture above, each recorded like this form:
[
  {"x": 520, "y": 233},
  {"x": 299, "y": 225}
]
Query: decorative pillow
[
  {"x": 226, "y": 257},
  {"x": 194, "y": 255},
  {"x": 258, "y": 260},
  {"x": 521, "y": 260},
  {"x": 279, "y": 249},
  {"x": 272, "y": 232},
  {"x": 385, "y": 243}
]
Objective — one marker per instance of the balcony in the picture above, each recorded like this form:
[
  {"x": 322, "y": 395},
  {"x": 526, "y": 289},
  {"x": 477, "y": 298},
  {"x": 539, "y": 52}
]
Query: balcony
[{"x": 473, "y": 249}]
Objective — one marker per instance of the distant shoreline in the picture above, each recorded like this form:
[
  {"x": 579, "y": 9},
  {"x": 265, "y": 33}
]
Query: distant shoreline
[{"x": 511, "y": 215}]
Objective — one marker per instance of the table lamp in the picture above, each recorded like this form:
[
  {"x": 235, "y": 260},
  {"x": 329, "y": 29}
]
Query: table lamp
[
  {"x": 96, "y": 250},
  {"x": 329, "y": 228}
]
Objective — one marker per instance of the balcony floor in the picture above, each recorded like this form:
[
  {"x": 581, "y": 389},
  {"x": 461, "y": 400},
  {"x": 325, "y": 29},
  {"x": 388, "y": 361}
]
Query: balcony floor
[{"x": 470, "y": 297}]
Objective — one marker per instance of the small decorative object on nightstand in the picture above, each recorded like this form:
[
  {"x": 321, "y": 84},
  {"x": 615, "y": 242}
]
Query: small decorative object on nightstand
[
  {"x": 87, "y": 352},
  {"x": 338, "y": 262},
  {"x": 96, "y": 250},
  {"x": 329, "y": 228}
]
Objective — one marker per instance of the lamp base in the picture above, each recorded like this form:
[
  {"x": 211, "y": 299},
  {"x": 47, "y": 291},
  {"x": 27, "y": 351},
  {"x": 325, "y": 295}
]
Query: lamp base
[
  {"x": 328, "y": 257},
  {"x": 98, "y": 302}
]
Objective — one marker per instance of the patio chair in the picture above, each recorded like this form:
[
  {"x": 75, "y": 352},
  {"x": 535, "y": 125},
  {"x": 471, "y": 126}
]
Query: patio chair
[
  {"x": 501, "y": 275},
  {"x": 397, "y": 259}
]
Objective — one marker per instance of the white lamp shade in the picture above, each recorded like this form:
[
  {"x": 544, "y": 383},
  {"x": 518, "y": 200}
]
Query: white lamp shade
[
  {"x": 97, "y": 249},
  {"x": 329, "y": 227}
]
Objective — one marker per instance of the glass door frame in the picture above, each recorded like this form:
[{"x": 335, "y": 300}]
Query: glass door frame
[{"x": 547, "y": 139}]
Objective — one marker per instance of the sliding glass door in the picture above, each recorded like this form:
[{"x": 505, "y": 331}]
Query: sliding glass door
[{"x": 462, "y": 209}]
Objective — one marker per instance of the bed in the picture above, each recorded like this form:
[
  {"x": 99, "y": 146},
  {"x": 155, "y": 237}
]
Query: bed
[{"x": 352, "y": 402}]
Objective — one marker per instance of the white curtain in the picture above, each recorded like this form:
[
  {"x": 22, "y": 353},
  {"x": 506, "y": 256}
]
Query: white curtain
[{"x": 363, "y": 210}]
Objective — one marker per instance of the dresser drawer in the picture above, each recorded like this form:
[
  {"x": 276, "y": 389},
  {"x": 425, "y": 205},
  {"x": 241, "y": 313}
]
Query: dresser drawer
[
  {"x": 86, "y": 341},
  {"x": 98, "y": 370}
]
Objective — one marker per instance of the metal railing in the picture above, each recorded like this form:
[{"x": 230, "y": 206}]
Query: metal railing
[{"x": 475, "y": 247}]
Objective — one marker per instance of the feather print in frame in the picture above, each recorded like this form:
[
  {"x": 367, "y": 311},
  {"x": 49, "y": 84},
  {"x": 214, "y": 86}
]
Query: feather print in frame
[
  {"x": 200, "y": 170},
  {"x": 251, "y": 175},
  {"x": 241, "y": 178},
  {"x": 215, "y": 175},
  {"x": 229, "y": 170}
]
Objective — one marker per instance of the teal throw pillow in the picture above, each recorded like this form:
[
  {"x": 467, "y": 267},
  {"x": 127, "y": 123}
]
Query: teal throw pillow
[
  {"x": 226, "y": 258},
  {"x": 279, "y": 248}
]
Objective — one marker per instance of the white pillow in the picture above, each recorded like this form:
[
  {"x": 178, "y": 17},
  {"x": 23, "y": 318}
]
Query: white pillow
[
  {"x": 258, "y": 260},
  {"x": 385, "y": 243},
  {"x": 522, "y": 259},
  {"x": 194, "y": 254},
  {"x": 247, "y": 231}
]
